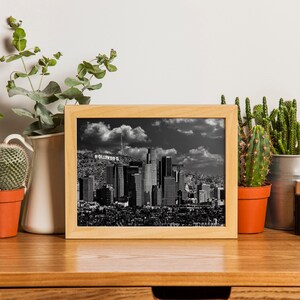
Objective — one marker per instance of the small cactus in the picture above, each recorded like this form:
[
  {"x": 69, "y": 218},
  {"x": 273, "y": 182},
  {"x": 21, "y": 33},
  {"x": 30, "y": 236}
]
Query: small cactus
[
  {"x": 256, "y": 157},
  {"x": 14, "y": 166}
]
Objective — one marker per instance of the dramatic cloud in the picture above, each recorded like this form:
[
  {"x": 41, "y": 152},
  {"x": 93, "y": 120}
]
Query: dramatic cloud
[
  {"x": 215, "y": 122},
  {"x": 140, "y": 153},
  {"x": 179, "y": 121},
  {"x": 202, "y": 153},
  {"x": 186, "y": 132},
  {"x": 156, "y": 123},
  {"x": 102, "y": 133},
  {"x": 211, "y": 128}
]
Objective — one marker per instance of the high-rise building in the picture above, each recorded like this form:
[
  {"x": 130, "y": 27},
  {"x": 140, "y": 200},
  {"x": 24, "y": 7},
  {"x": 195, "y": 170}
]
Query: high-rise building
[
  {"x": 109, "y": 174},
  {"x": 159, "y": 196},
  {"x": 166, "y": 169},
  {"x": 166, "y": 166},
  {"x": 86, "y": 189},
  {"x": 206, "y": 187},
  {"x": 139, "y": 189},
  {"x": 147, "y": 184},
  {"x": 202, "y": 196},
  {"x": 120, "y": 181},
  {"x": 104, "y": 195},
  {"x": 169, "y": 195},
  {"x": 153, "y": 161}
]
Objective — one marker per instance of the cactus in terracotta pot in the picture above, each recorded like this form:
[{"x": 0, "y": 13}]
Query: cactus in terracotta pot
[
  {"x": 255, "y": 158},
  {"x": 14, "y": 166}
]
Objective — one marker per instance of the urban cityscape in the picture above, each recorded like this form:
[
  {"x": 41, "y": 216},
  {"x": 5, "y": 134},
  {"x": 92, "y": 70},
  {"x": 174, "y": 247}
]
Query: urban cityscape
[{"x": 116, "y": 189}]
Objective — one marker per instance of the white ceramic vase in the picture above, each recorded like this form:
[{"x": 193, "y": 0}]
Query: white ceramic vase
[{"x": 44, "y": 206}]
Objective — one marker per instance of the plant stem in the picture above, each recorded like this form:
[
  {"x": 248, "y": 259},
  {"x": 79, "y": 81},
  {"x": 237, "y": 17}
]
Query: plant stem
[
  {"x": 27, "y": 74},
  {"x": 41, "y": 82}
]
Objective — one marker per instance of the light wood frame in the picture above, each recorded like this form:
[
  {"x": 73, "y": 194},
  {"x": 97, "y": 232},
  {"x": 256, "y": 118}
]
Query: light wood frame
[{"x": 226, "y": 112}]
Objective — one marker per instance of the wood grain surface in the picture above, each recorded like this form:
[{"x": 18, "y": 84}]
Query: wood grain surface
[{"x": 268, "y": 259}]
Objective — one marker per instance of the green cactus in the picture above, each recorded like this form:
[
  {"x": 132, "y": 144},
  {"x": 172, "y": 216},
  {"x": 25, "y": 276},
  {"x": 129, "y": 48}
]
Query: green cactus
[
  {"x": 14, "y": 166},
  {"x": 256, "y": 157}
]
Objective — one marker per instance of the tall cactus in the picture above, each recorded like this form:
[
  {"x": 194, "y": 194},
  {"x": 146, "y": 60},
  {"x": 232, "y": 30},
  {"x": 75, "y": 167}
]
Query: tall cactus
[
  {"x": 14, "y": 166},
  {"x": 256, "y": 158}
]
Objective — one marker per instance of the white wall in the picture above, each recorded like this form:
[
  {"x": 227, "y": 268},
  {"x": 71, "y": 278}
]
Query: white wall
[{"x": 169, "y": 51}]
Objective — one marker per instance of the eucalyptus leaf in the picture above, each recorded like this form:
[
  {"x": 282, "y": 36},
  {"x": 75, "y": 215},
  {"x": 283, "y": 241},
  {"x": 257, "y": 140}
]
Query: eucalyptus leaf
[
  {"x": 111, "y": 68},
  {"x": 52, "y": 62},
  {"x": 95, "y": 87},
  {"x": 52, "y": 88},
  {"x": 16, "y": 91},
  {"x": 13, "y": 57},
  {"x": 72, "y": 82},
  {"x": 23, "y": 112},
  {"x": 42, "y": 98},
  {"x": 44, "y": 114},
  {"x": 33, "y": 71},
  {"x": 2, "y": 58},
  {"x": 83, "y": 99},
  {"x": 13, "y": 23},
  {"x": 57, "y": 55},
  {"x": 71, "y": 93},
  {"x": 19, "y": 34},
  {"x": 27, "y": 53},
  {"x": 1, "y": 116},
  {"x": 36, "y": 49},
  {"x": 89, "y": 67},
  {"x": 61, "y": 108},
  {"x": 20, "y": 74},
  {"x": 81, "y": 71},
  {"x": 20, "y": 45},
  {"x": 100, "y": 74}
]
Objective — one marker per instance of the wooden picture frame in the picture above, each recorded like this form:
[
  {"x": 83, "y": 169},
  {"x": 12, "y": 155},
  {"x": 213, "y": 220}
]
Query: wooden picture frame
[{"x": 125, "y": 200}]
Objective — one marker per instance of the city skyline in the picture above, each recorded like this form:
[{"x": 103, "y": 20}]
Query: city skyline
[{"x": 198, "y": 144}]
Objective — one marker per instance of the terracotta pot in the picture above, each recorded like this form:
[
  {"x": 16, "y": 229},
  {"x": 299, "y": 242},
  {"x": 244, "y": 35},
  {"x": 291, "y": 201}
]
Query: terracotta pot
[
  {"x": 252, "y": 207},
  {"x": 10, "y": 206}
]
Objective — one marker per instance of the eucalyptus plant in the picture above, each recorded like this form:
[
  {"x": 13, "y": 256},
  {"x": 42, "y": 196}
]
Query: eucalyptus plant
[{"x": 43, "y": 95}]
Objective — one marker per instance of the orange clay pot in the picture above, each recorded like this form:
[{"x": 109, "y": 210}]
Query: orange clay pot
[
  {"x": 252, "y": 206},
  {"x": 10, "y": 206}
]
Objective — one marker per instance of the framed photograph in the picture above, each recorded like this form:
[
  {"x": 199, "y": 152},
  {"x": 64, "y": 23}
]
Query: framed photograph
[{"x": 151, "y": 171}]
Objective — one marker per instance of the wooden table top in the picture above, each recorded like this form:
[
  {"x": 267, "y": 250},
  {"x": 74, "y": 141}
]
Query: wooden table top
[{"x": 268, "y": 259}]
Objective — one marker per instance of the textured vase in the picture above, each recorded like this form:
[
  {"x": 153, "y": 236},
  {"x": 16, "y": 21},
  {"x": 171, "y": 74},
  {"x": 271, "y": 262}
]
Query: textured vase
[
  {"x": 44, "y": 207},
  {"x": 284, "y": 172}
]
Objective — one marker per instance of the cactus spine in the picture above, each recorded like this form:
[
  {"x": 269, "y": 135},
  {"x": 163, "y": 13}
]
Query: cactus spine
[
  {"x": 255, "y": 147},
  {"x": 14, "y": 166},
  {"x": 256, "y": 158}
]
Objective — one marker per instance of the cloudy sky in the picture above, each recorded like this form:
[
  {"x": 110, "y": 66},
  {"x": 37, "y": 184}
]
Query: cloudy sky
[{"x": 197, "y": 143}]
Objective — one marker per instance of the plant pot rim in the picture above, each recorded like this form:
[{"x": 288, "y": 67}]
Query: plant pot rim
[
  {"x": 44, "y": 136},
  {"x": 254, "y": 193},
  {"x": 286, "y": 155},
  {"x": 7, "y": 196}
]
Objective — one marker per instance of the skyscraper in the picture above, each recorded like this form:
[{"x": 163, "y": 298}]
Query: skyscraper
[
  {"x": 166, "y": 167},
  {"x": 86, "y": 186},
  {"x": 147, "y": 184},
  {"x": 120, "y": 183},
  {"x": 169, "y": 191},
  {"x": 109, "y": 174},
  {"x": 139, "y": 189},
  {"x": 202, "y": 196},
  {"x": 153, "y": 161}
]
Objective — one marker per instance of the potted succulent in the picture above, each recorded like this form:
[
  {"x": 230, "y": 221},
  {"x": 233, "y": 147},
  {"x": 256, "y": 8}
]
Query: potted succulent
[
  {"x": 284, "y": 130},
  {"x": 254, "y": 161},
  {"x": 44, "y": 206},
  {"x": 14, "y": 166}
]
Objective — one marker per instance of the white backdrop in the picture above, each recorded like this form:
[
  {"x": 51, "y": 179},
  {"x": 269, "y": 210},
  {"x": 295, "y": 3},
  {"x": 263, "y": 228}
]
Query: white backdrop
[{"x": 169, "y": 51}]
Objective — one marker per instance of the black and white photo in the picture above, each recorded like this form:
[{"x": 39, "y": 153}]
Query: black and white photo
[{"x": 151, "y": 172}]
